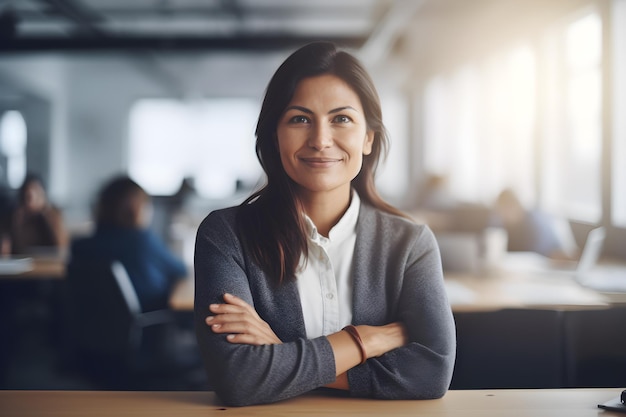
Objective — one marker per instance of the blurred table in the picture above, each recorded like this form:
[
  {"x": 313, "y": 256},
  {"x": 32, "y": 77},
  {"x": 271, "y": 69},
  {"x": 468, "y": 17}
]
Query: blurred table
[
  {"x": 32, "y": 267},
  {"x": 181, "y": 298},
  {"x": 498, "y": 291},
  {"x": 481, "y": 292},
  {"x": 483, "y": 403}
]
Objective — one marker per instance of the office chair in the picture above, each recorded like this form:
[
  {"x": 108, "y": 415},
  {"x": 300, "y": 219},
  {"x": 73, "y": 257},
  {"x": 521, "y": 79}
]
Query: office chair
[{"x": 118, "y": 345}]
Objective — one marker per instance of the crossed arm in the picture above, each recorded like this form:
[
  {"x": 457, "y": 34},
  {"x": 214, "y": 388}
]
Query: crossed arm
[{"x": 242, "y": 325}]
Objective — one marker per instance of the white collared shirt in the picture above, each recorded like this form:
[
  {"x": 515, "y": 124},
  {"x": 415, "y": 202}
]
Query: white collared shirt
[{"x": 325, "y": 278}]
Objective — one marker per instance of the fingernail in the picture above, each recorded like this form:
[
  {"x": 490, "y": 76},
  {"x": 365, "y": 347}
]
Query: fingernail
[
  {"x": 215, "y": 326},
  {"x": 210, "y": 318},
  {"x": 228, "y": 295},
  {"x": 230, "y": 337}
]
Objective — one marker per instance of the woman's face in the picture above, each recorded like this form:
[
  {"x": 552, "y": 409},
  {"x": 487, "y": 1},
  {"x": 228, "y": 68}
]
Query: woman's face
[
  {"x": 323, "y": 135},
  {"x": 34, "y": 197}
]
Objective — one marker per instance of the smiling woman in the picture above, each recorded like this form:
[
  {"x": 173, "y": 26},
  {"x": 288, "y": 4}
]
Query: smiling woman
[{"x": 314, "y": 281}]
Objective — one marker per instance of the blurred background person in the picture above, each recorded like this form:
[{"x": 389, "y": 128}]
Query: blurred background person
[
  {"x": 36, "y": 224},
  {"x": 530, "y": 230},
  {"x": 434, "y": 194},
  {"x": 123, "y": 214}
]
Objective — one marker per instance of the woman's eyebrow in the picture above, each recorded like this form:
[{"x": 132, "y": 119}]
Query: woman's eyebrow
[
  {"x": 299, "y": 108},
  {"x": 308, "y": 111},
  {"x": 340, "y": 109}
]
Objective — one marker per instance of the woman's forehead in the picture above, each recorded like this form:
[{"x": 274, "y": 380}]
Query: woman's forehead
[{"x": 326, "y": 89}]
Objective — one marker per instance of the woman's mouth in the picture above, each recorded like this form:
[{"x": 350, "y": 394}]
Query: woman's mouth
[{"x": 320, "y": 162}]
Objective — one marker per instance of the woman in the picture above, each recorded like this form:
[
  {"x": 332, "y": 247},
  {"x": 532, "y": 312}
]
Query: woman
[
  {"x": 122, "y": 216},
  {"x": 36, "y": 224},
  {"x": 315, "y": 250}
]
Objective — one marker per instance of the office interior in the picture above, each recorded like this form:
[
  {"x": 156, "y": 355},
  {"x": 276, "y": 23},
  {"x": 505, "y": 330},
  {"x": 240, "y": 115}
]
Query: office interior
[{"x": 477, "y": 97}]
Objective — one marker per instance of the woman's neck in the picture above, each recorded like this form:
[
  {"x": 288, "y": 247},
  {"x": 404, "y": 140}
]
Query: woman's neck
[{"x": 326, "y": 209}]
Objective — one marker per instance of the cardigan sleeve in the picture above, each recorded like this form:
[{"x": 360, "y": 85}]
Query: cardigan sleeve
[
  {"x": 414, "y": 280},
  {"x": 244, "y": 374}
]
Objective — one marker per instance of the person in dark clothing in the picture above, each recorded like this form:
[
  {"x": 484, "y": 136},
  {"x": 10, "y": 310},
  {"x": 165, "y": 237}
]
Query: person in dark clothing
[{"x": 122, "y": 218}]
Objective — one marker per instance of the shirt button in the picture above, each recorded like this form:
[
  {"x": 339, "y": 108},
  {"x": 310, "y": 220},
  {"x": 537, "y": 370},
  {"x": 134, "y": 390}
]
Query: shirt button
[{"x": 330, "y": 296}]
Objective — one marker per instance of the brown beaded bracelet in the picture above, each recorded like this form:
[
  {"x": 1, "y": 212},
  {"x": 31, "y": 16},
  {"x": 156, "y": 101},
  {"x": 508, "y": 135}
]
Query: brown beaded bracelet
[{"x": 352, "y": 331}]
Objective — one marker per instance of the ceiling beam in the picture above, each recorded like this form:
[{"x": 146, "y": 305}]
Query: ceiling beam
[
  {"x": 243, "y": 42},
  {"x": 79, "y": 14}
]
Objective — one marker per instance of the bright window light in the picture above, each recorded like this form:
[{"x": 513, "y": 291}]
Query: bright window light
[
  {"x": 618, "y": 184},
  {"x": 479, "y": 127},
  {"x": 210, "y": 141},
  {"x": 13, "y": 136}
]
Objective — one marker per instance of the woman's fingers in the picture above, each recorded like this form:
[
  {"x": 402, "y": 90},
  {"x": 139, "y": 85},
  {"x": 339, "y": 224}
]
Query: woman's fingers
[
  {"x": 242, "y": 327},
  {"x": 233, "y": 304},
  {"x": 234, "y": 300},
  {"x": 239, "y": 319},
  {"x": 245, "y": 332},
  {"x": 248, "y": 339}
]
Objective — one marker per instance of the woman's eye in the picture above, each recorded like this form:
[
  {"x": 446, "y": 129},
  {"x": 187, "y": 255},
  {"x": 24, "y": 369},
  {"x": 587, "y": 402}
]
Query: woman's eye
[
  {"x": 342, "y": 119},
  {"x": 298, "y": 119}
]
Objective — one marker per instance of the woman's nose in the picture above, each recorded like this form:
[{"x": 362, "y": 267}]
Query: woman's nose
[{"x": 320, "y": 136}]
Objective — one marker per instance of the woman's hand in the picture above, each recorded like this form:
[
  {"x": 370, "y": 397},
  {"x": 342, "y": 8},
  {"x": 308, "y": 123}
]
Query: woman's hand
[
  {"x": 379, "y": 340},
  {"x": 241, "y": 322}
]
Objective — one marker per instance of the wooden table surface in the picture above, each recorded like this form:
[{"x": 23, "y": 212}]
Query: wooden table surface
[
  {"x": 479, "y": 403},
  {"x": 35, "y": 267}
]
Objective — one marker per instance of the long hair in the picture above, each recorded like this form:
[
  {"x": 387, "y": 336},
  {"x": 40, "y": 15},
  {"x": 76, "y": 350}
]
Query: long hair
[{"x": 270, "y": 221}]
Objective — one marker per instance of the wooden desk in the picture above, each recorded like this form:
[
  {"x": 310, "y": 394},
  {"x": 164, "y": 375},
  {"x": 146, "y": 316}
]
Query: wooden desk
[
  {"x": 493, "y": 403},
  {"x": 38, "y": 267},
  {"x": 181, "y": 298},
  {"x": 499, "y": 291}
]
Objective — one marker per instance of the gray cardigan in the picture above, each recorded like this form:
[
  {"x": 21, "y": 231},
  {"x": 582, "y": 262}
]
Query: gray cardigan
[{"x": 397, "y": 276}]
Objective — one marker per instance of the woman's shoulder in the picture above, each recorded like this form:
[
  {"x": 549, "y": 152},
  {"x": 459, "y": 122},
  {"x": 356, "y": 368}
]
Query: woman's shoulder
[
  {"x": 220, "y": 219},
  {"x": 387, "y": 230},
  {"x": 378, "y": 218}
]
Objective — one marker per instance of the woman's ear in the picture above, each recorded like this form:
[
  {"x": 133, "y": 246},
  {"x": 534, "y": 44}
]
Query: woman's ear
[{"x": 369, "y": 141}]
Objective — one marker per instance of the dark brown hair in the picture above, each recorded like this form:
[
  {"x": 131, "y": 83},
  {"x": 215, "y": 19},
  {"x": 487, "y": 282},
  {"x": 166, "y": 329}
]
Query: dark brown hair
[
  {"x": 120, "y": 203},
  {"x": 270, "y": 221}
]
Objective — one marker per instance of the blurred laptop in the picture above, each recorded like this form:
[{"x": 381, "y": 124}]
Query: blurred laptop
[
  {"x": 591, "y": 252},
  {"x": 602, "y": 278}
]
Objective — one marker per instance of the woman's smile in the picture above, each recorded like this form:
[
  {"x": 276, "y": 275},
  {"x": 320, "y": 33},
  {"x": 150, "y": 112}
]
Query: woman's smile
[{"x": 320, "y": 162}]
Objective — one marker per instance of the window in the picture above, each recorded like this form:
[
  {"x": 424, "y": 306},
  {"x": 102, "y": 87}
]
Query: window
[
  {"x": 210, "y": 141},
  {"x": 583, "y": 109},
  {"x": 392, "y": 176},
  {"x": 479, "y": 124},
  {"x": 530, "y": 122},
  {"x": 618, "y": 184},
  {"x": 13, "y": 138},
  {"x": 573, "y": 147}
]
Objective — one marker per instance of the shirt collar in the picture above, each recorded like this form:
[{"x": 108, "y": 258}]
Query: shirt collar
[{"x": 344, "y": 227}]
